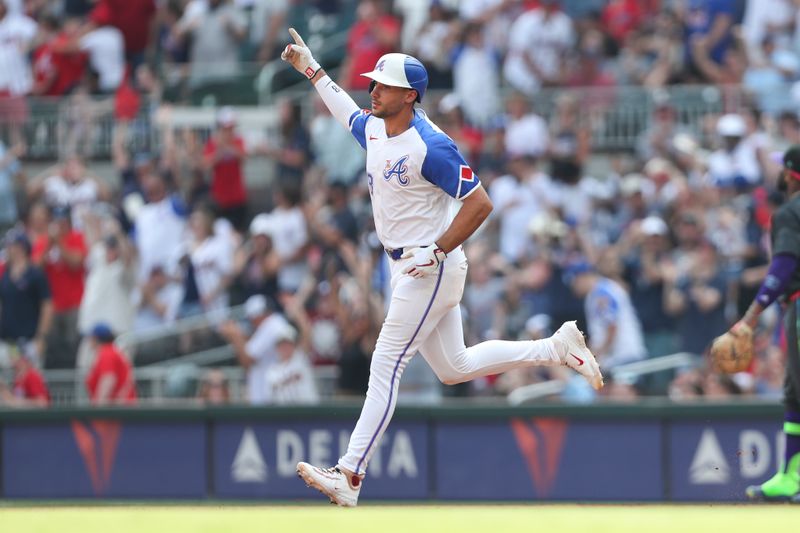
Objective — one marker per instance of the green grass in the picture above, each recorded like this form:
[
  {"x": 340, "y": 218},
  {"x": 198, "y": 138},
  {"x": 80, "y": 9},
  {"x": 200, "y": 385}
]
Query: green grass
[{"x": 375, "y": 518}]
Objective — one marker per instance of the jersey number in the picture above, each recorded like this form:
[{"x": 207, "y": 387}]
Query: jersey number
[{"x": 399, "y": 169}]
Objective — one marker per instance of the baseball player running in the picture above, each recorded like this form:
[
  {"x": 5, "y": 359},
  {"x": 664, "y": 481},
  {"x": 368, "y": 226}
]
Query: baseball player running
[
  {"x": 783, "y": 281},
  {"x": 417, "y": 182}
]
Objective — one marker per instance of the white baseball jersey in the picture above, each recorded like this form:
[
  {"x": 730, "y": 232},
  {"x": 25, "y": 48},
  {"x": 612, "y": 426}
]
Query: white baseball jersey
[
  {"x": 292, "y": 381},
  {"x": 415, "y": 179}
]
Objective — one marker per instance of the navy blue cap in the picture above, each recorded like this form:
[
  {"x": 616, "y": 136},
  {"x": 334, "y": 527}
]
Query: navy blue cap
[
  {"x": 573, "y": 270},
  {"x": 102, "y": 332},
  {"x": 17, "y": 236}
]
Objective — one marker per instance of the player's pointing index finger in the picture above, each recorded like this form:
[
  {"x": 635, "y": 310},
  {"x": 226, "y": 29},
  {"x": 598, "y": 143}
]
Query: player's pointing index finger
[{"x": 297, "y": 38}]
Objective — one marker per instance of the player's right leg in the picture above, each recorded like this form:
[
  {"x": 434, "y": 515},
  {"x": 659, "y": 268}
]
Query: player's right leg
[
  {"x": 785, "y": 484},
  {"x": 454, "y": 363}
]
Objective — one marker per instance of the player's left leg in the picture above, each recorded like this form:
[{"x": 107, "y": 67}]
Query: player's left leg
[
  {"x": 453, "y": 362},
  {"x": 785, "y": 484},
  {"x": 416, "y": 307}
]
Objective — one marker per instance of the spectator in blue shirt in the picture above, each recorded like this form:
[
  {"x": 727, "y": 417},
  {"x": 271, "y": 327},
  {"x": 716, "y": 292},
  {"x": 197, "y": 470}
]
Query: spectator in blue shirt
[
  {"x": 26, "y": 309},
  {"x": 708, "y": 24}
]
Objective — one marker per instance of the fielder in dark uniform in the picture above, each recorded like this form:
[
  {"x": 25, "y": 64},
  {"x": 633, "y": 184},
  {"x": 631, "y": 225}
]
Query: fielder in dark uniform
[{"x": 783, "y": 283}]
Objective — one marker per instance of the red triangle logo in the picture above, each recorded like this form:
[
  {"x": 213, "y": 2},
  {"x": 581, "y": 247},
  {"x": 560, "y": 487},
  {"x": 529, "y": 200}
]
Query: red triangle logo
[
  {"x": 97, "y": 442},
  {"x": 540, "y": 442}
]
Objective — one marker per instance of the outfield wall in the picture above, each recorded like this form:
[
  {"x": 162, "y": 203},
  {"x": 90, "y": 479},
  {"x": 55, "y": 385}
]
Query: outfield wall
[{"x": 650, "y": 451}]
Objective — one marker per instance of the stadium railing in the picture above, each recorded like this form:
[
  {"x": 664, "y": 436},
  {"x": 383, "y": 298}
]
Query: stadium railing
[
  {"x": 615, "y": 116},
  {"x": 630, "y": 371},
  {"x": 171, "y": 360}
]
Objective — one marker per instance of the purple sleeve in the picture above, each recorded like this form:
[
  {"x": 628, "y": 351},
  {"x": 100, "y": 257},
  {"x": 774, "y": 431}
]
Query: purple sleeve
[{"x": 780, "y": 273}]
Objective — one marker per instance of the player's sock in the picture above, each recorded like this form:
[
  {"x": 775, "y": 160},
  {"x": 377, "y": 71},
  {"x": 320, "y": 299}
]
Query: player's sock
[{"x": 787, "y": 481}]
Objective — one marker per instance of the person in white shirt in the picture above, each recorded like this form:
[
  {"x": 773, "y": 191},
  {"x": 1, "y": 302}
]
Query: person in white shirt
[
  {"x": 257, "y": 352},
  {"x": 69, "y": 185},
  {"x": 614, "y": 328},
  {"x": 159, "y": 228},
  {"x": 159, "y": 300},
  {"x": 414, "y": 14},
  {"x": 736, "y": 162},
  {"x": 211, "y": 257},
  {"x": 762, "y": 18},
  {"x": 290, "y": 237},
  {"x": 496, "y": 16},
  {"x": 290, "y": 379},
  {"x": 537, "y": 46},
  {"x": 519, "y": 196},
  {"x": 107, "y": 297},
  {"x": 476, "y": 77},
  {"x": 17, "y": 33},
  {"x": 526, "y": 132},
  {"x": 159, "y": 231},
  {"x": 106, "y": 48}
]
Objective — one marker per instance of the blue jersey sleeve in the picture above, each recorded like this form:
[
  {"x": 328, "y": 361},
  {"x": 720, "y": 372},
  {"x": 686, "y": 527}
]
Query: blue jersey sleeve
[
  {"x": 445, "y": 168},
  {"x": 358, "y": 124},
  {"x": 604, "y": 305}
]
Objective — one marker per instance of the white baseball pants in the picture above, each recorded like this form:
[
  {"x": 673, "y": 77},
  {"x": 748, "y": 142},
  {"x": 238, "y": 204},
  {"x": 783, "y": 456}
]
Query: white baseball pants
[{"x": 424, "y": 316}]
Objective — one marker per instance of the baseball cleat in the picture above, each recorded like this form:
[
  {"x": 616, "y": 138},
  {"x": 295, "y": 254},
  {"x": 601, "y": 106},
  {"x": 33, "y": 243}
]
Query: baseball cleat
[
  {"x": 332, "y": 482},
  {"x": 755, "y": 493},
  {"x": 577, "y": 356},
  {"x": 782, "y": 487}
]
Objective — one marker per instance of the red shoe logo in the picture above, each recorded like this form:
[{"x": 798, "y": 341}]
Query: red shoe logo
[
  {"x": 580, "y": 361},
  {"x": 371, "y": 138}
]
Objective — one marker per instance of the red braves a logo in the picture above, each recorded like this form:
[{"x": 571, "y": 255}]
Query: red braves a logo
[
  {"x": 541, "y": 441},
  {"x": 398, "y": 168}
]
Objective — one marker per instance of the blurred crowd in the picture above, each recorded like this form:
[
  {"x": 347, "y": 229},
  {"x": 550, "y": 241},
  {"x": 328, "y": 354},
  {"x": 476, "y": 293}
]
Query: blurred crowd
[
  {"x": 656, "y": 250},
  {"x": 185, "y": 50}
]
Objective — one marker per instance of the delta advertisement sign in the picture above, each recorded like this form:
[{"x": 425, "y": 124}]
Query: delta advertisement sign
[
  {"x": 259, "y": 460},
  {"x": 716, "y": 461},
  {"x": 521, "y": 459},
  {"x": 549, "y": 459}
]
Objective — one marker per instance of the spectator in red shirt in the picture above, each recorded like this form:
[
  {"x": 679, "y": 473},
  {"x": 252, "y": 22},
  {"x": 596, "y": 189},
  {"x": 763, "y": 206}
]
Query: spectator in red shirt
[
  {"x": 134, "y": 18},
  {"x": 62, "y": 254},
  {"x": 57, "y": 68},
  {"x": 223, "y": 157},
  {"x": 111, "y": 378},
  {"x": 620, "y": 17},
  {"x": 30, "y": 389},
  {"x": 376, "y": 33}
]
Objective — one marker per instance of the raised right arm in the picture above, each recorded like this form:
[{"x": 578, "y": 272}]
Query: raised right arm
[{"x": 341, "y": 106}]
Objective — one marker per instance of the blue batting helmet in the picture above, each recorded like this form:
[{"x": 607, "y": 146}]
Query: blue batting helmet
[{"x": 400, "y": 70}]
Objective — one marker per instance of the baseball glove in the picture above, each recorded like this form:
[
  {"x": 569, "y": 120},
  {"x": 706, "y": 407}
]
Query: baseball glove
[{"x": 732, "y": 352}]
